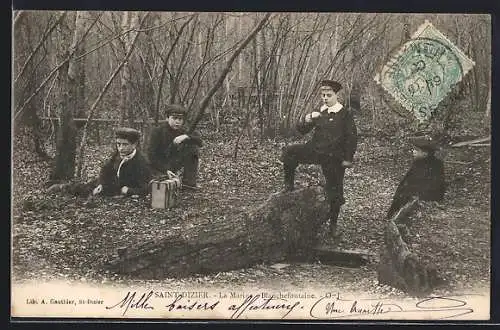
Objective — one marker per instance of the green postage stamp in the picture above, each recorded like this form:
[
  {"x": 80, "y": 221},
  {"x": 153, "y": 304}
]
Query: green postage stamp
[{"x": 423, "y": 71}]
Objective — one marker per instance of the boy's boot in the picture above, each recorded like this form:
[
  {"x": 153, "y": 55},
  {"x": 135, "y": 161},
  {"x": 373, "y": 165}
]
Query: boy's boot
[
  {"x": 190, "y": 172},
  {"x": 334, "y": 214},
  {"x": 289, "y": 178}
]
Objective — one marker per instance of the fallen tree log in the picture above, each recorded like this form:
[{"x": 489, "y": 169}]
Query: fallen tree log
[
  {"x": 285, "y": 226},
  {"x": 398, "y": 266}
]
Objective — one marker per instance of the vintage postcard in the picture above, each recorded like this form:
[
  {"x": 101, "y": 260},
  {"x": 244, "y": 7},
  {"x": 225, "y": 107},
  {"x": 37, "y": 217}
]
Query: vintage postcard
[{"x": 251, "y": 165}]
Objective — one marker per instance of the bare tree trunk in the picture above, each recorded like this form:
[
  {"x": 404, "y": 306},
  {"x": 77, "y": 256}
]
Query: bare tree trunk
[
  {"x": 64, "y": 163},
  {"x": 165, "y": 68},
  {"x": 123, "y": 103},
  {"x": 90, "y": 115},
  {"x": 274, "y": 117},
  {"x": 294, "y": 88},
  {"x": 240, "y": 59},
  {"x": 64, "y": 167},
  {"x": 130, "y": 21},
  {"x": 70, "y": 56},
  {"x": 200, "y": 72},
  {"x": 225, "y": 71},
  {"x": 248, "y": 105},
  {"x": 312, "y": 42},
  {"x": 40, "y": 43},
  {"x": 146, "y": 83},
  {"x": 487, "y": 112},
  {"x": 177, "y": 74},
  {"x": 76, "y": 69},
  {"x": 311, "y": 91},
  {"x": 475, "y": 81},
  {"x": 36, "y": 124},
  {"x": 28, "y": 85}
]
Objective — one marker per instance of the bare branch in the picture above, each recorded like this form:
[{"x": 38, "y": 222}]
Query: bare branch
[
  {"x": 225, "y": 71},
  {"x": 21, "y": 108},
  {"x": 40, "y": 43},
  {"x": 101, "y": 95},
  {"x": 165, "y": 65}
]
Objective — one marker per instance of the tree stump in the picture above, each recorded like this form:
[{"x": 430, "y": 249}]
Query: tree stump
[
  {"x": 398, "y": 266},
  {"x": 285, "y": 226}
]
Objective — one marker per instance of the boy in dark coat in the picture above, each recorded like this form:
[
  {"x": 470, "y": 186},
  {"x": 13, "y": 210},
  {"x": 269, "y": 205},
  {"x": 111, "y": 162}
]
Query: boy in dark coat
[
  {"x": 424, "y": 179},
  {"x": 171, "y": 148},
  {"x": 332, "y": 145},
  {"x": 127, "y": 171}
]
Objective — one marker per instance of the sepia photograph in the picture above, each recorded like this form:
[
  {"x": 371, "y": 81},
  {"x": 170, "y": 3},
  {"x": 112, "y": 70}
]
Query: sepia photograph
[{"x": 250, "y": 165}]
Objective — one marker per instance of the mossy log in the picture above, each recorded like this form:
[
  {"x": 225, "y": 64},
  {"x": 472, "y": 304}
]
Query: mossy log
[{"x": 283, "y": 227}]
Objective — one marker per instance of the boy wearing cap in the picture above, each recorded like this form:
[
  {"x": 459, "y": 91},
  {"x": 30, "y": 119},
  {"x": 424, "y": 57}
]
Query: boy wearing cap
[
  {"x": 332, "y": 145},
  {"x": 126, "y": 172},
  {"x": 172, "y": 148},
  {"x": 424, "y": 179}
]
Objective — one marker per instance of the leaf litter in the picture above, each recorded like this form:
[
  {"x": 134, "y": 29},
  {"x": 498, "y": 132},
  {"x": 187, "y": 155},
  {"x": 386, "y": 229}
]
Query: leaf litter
[{"x": 59, "y": 236}]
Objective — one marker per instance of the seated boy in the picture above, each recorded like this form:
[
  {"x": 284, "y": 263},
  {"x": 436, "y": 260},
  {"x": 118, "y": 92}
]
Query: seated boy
[
  {"x": 171, "y": 148},
  {"x": 126, "y": 172},
  {"x": 332, "y": 145},
  {"x": 424, "y": 179}
]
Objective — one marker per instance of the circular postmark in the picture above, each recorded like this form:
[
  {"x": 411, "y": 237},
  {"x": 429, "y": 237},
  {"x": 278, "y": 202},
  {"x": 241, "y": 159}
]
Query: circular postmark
[{"x": 422, "y": 74}]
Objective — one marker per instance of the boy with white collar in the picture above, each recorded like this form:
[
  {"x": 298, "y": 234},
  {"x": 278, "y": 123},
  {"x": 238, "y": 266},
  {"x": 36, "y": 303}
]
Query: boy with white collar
[
  {"x": 172, "y": 148},
  {"x": 126, "y": 172},
  {"x": 332, "y": 145}
]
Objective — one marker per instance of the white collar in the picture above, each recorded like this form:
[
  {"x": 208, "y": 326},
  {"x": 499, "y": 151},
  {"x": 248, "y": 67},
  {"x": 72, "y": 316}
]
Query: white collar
[
  {"x": 334, "y": 108},
  {"x": 125, "y": 159}
]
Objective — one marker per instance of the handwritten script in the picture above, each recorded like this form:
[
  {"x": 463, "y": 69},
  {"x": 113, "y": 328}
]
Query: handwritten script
[
  {"x": 256, "y": 303},
  {"x": 328, "y": 306},
  {"x": 435, "y": 307}
]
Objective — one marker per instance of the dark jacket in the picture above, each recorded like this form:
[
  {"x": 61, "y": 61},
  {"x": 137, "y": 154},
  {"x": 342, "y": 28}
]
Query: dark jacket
[
  {"x": 135, "y": 174},
  {"x": 425, "y": 180},
  {"x": 161, "y": 150},
  {"x": 335, "y": 134}
]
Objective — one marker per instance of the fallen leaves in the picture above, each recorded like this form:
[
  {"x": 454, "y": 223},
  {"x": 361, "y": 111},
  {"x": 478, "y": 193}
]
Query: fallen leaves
[{"x": 63, "y": 236}]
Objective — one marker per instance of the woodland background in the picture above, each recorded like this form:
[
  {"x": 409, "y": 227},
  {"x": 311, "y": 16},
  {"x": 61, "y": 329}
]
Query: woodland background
[
  {"x": 246, "y": 78},
  {"x": 122, "y": 68}
]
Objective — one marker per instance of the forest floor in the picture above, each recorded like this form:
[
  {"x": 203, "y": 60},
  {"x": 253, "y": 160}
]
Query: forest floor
[{"x": 57, "y": 237}]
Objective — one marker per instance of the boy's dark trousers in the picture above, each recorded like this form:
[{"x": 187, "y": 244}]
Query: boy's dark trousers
[
  {"x": 332, "y": 170},
  {"x": 187, "y": 157}
]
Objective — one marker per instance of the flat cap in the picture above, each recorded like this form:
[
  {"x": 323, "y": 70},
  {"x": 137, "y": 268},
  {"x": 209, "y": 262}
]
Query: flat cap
[
  {"x": 130, "y": 134},
  {"x": 336, "y": 86},
  {"x": 424, "y": 142},
  {"x": 176, "y": 109}
]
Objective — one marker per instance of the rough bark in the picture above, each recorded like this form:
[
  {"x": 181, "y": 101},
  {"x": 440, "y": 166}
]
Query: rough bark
[
  {"x": 76, "y": 69},
  {"x": 123, "y": 103},
  {"x": 399, "y": 267},
  {"x": 64, "y": 163},
  {"x": 285, "y": 226}
]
